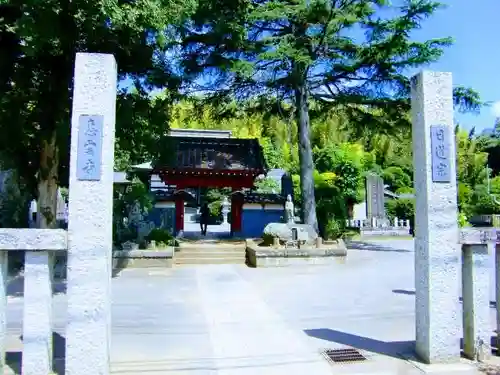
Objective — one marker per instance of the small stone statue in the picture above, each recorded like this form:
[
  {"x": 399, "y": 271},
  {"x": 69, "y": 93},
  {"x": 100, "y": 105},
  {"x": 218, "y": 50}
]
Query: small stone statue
[
  {"x": 135, "y": 215},
  {"x": 225, "y": 209},
  {"x": 289, "y": 210}
]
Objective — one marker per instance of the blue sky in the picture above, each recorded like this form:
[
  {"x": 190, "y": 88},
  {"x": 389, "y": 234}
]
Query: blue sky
[{"x": 475, "y": 56}]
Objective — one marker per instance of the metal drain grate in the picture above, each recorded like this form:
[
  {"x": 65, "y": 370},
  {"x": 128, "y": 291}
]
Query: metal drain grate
[{"x": 347, "y": 355}]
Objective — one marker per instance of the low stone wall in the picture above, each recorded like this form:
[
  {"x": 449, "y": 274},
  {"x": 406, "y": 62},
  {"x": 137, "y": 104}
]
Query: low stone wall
[
  {"x": 258, "y": 256},
  {"x": 143, "y": 258},
  {"x": 385, "y": 232}
]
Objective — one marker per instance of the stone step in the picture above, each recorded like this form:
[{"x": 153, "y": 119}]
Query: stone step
[
  {"x": 210, "y": 254},
  {"x": 226, "y": 260},
  {"x": 209, "y": 249}
]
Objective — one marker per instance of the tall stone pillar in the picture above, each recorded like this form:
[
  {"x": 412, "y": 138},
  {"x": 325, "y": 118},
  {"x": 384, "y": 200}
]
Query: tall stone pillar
[
  {"x": 437, "y": 248},
  {"x": 91, "y": 215}
]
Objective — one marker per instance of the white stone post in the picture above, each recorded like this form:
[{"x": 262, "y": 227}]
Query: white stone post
[
  {"x": 37, "y": 313},
  {"x": 497, "y": 291},
  {"x": 437, "y": 248},
  {"x": 476, "y": 266},
  {"x": 90, "y": 215},
  {"x": 3, "y": 306},
  {"x": 396, "y": 221}
]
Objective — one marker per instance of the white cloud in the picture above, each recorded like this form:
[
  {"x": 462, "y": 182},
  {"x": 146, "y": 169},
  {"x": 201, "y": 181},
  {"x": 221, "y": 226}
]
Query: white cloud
[{"x": 495, "y": 109}]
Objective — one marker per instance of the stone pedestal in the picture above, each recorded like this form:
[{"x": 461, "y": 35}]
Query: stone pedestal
[
  {"x": 476, "y": 265},
  {"x": 319, "y": 242},
  {"x": 437, "y": 248}
]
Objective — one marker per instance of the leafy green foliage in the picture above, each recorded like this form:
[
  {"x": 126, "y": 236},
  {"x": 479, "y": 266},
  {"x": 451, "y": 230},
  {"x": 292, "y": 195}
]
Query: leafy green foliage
[
  {"x": 13, "y": 203},
  {"x": 462, "y": 220},
  {"x": 160, "y": 236},
  {"x": 267, "y": 186},
  {"x": 346, "y": 161},
  {"x": 334, "y": 229},
  {"x": 396, "y": 178},
  {"x": 39, "y": 40},
  {"x": 402, "y": 208},
  {"x": 215, "y": 208}
]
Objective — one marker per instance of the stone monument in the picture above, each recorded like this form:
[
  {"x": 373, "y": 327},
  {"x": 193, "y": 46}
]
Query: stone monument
[
  {"x": 90, "y": 215},
  {"x": 437, "y": 249},
  {"x": 375, "y": 205},
  {"x": 289, "y": 210}
]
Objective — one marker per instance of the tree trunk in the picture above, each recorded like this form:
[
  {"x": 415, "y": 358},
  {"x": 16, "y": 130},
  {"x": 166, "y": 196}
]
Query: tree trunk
[
  {"x": 48, "y": 183},
  {"x": 306, "y": 157}
]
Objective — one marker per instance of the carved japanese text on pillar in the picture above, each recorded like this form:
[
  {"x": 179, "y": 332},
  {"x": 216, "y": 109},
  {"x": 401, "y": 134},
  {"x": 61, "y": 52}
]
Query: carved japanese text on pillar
[
  {"x": 440, "y": 149},
  {"x": 89, "y": 153}
]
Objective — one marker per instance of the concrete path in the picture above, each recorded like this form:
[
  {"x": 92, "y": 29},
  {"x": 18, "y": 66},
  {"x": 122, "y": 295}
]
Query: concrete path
[{"x": 233, "y": 320}]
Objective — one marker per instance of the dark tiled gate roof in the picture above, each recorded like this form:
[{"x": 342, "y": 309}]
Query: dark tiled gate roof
[{"x": 210, "y": 153}]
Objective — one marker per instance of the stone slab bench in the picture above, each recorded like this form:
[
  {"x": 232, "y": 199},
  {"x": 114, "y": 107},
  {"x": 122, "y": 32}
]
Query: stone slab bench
[{"x": 258, "y": 256}]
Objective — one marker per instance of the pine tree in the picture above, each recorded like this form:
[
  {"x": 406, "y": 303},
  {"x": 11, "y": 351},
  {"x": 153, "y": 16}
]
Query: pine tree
[{"x": 343, "y": 53}]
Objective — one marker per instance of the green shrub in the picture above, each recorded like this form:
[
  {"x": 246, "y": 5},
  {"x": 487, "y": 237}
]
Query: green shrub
[
  {"x": 267, "y": 186},
  {"x": 403, "y": 208},
  {"x": 462, "y": 220},
  {"x": 160, "y": 235},
  {"x": 334, "y": 229},
  {"x": 215, "y": 208},
  {"x": 396, "y": 178},
  {"x": 13, "y": 203},
  {"x": 268, "y": 239}
]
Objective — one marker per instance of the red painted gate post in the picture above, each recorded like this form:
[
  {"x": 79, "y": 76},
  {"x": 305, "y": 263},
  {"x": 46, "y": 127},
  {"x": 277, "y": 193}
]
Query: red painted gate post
[
  {"x": 179, "y": 214},
  {"x": 236, "y": 207}
]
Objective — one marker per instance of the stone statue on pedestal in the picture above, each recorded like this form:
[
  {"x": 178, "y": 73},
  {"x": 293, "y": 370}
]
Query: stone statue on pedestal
[
  {"x": 289, "y": 210},
  {"x": 225, "y": 209}
]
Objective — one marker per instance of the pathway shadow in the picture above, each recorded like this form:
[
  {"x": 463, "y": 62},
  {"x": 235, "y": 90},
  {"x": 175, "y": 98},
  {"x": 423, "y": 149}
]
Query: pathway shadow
[
  {"x": 366, "y": 246},
  {"x": 396, "y": 349},
  {"x": 15, "y": 286},
  {"x": 404, "y": 291},
  {"x": 14, "y": 359}
]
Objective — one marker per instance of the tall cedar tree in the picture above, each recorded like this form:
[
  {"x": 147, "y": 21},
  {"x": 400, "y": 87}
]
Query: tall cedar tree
[
  {"x": 348, "y": 55},
  {"x": 39, "y": 40}
]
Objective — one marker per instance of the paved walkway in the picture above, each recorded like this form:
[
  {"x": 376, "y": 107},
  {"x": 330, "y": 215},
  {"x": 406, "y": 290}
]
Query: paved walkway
[{"x": 233, "y": 320}]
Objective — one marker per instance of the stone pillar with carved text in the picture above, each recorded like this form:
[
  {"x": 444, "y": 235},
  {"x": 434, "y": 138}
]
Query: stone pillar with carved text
[
  {"x": 437, "y": 248},
  {"x": 90, "y": 215}
]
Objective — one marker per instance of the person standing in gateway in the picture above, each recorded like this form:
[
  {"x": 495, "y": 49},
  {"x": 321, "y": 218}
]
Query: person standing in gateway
[{"x": 204, "y": 215}]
